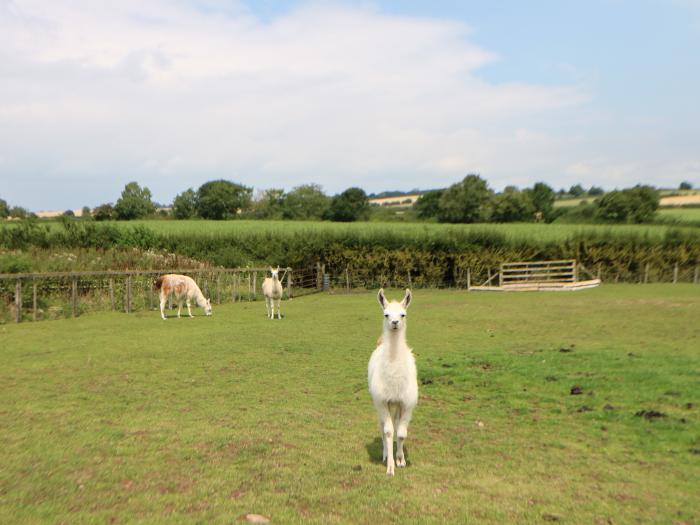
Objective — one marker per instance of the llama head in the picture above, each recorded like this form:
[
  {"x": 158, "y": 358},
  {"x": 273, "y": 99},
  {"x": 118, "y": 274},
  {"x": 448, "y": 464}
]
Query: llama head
[
  {"x": 394, "y": 312},
  {"x": 275, "y": 273},
  {"x": 207, "y": 307}
]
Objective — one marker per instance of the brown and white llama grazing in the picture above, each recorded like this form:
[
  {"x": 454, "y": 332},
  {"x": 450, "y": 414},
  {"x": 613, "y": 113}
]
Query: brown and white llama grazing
[
  {"x": 182, "y": 288},
  {"x": 272, "y": 289},
  {"x": 392, "y": 379}
]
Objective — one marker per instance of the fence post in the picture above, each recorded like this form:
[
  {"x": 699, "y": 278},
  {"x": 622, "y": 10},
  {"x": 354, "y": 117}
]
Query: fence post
[
  {"x": 111, "y": 292},
  {"x": 410, "y": 283},
  {"x": 318, "y": 275},
  {"x": 74, "y": 297},
  {"x": 599, "y": 271},
  {"x": 34, "y": 299},
  {"x": 500, "y": 277},
  {"x": 255, "y": 286},
  {"x": 675, "y": 273},
  {"x": 289, "y": 283},
  {"x": 696, "y": 275},
  {"x": 646, "y": 273},
  {"x": 128, "y": 294},
  {"x": 469, "y": 278},
  {"x": 250, "y": 282},
  {"x": 347, "y": 280},
  {"x": 18, "y": 300},
  {"x": 488, "y": 274},
  {"x": 218, "y": 288}
]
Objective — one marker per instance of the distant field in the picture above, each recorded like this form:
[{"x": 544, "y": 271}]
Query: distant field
[
  {"x": 682, "y": 214},
  {"x": 116, "y": 418},
  {"x": 514, "y": 231}
]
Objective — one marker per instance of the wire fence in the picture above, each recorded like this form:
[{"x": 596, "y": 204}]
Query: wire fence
[
  {"x": 55, "y": 295},
  {"x": 43, "y": 296}
]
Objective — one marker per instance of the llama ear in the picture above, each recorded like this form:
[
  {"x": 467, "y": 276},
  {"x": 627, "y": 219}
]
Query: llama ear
[
  {"x": 381, "y": 298},
  {"x": 271, "y": 270},
  {"x": 407, "y": 299}
]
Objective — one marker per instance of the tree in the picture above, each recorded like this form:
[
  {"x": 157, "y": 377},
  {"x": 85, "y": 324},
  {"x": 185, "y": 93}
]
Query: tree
[
  {"x": 306, "y": 202},
  {"x": 577, "y": 190},
  {"x": 86, "y": 213},
  {"x": 69, "y": 213},
  {"x": 685, "y": 185},
  {"x": 18, "y": 212},
  {"x": 542, "y": 197},
  {"x": 428, "y": 205},
  {"x": 465, "y": 201},
  {"x": 134, "y": 203},
  {"x": 269, "y": 204},
  {"x": 644, "y": 201},
  {"x": 185, "y": 205},
  {"x": 511, "y": 206},
  {"x": 351, "y": 205},
  {"x": 222, "y": 199},
  {"x": 594, "y": 191},
  {"x": 104, "y": 212},
  {"x": 637, "y": 205},
  {"x": 4, "y": 209}
]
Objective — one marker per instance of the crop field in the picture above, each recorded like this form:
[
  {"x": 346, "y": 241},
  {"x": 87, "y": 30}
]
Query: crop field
[
  {"x": 534, "y": 407},
  {"x": 681, "y": 214},
  {"x": 512, "y": 231}
]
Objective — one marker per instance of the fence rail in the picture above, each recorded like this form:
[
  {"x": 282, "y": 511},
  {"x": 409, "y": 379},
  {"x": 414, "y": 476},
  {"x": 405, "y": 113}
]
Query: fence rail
[{"x": 51, "y": 295}]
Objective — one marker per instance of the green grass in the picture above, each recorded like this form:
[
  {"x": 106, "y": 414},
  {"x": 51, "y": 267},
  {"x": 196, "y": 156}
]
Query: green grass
[
  {"x": 512, "y": 231},
  {"x": 681, "y": 214},
  {"x": 115, "y": 418}
]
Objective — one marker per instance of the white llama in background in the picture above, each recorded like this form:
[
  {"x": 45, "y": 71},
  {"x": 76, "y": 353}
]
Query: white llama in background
[
  {"x": 272, "y": 289},
  {"x": 392, "y": 380},
  {"x": 182, "y": 288}
]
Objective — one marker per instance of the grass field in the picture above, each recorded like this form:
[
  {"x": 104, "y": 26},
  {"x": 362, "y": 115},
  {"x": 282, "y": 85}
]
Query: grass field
[
  {"x": 518, "y": 231},
  {"x": 115, "y": 418},
  {"x": 681, "y": 214}
]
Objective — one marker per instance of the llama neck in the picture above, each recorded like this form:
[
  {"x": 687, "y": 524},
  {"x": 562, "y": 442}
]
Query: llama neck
[
  {"x": 395, "y": 341},
  {"x": 199, "y": 298}
]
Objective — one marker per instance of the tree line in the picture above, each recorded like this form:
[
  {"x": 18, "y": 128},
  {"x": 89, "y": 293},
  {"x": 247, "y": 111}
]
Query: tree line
[{"x": 468, "y": 201}]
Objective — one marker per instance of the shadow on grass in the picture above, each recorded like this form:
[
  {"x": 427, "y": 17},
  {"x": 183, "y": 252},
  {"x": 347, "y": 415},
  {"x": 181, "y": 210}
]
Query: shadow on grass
[{"x": 375, "y": 450}]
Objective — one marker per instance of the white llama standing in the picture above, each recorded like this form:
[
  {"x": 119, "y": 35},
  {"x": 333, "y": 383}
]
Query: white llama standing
[
  {"x": 272, "y": 289},
  {"x": 392, "y": 380},
  {"x": 183, "y": 288}
]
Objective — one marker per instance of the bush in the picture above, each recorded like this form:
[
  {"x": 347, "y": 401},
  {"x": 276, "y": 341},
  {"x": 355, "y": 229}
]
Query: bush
[{"x": 185, "y": 205}]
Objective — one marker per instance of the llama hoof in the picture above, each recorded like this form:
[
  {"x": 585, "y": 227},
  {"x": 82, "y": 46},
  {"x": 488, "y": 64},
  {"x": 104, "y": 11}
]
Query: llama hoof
[
  {"x": 400, "y": 462},
  {"x": 390, "y": 470}
]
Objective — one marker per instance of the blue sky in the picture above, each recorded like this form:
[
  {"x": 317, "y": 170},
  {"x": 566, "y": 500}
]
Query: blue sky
[{"x": 383, "y": 95}]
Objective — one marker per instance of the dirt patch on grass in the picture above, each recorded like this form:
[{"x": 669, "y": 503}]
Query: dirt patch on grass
[{"x": 650, "y": 415}]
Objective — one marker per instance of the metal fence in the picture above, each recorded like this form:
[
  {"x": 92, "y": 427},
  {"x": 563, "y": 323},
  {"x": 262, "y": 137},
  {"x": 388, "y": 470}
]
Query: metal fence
[{"x": 53, "y": 295}]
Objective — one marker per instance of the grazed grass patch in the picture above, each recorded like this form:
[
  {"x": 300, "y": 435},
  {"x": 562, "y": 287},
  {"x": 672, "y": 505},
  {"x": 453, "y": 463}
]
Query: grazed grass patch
[{"x": 117, "y": 418}]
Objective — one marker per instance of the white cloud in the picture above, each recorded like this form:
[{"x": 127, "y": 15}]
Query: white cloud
[{"x": 94, "y": 94}]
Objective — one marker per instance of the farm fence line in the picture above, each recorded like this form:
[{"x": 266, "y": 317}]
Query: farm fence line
[
  {"x": 349, "y": 279},
  {"x": 54, "y": 295}
]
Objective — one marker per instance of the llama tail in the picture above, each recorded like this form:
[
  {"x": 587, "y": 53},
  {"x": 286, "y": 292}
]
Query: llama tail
[{"x": 159, "y": 282}]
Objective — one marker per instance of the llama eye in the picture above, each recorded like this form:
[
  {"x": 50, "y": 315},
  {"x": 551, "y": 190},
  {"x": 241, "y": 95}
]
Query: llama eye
[
  {"x": 403, "y": 315},
  {"x": 386, "y": 315}
]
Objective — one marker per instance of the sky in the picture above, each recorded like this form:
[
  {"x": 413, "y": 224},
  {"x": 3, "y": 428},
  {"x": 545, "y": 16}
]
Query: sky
[{"x": 383, "y": 95}]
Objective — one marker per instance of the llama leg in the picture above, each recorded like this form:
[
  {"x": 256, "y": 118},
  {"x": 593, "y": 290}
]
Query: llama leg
[
  {"x": 279, "y": 315},
  {"x": 188, "y": 308},
  {"x": 179, "y": 307},
  {"x": 162, "y": 307},
  {"x": 267, "y": 307},
  {"x": 401, "y": 434},
  {"x": 388, "y": 438}
]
